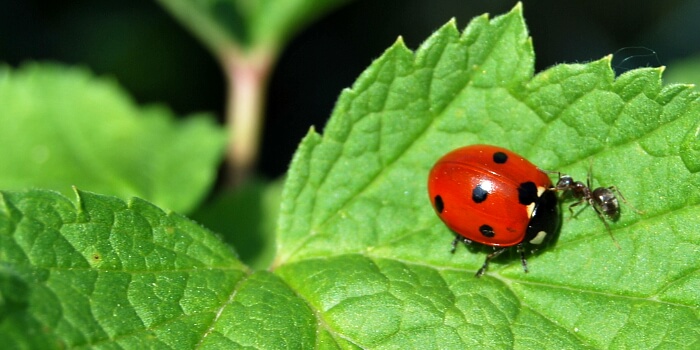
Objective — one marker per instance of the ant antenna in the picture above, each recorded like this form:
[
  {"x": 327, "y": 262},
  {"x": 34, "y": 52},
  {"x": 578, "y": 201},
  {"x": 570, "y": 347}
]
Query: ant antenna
[{"x": 620, "y": 67}]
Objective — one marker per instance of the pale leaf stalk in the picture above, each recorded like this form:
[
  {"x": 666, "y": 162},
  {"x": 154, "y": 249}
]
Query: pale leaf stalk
[{"x": 247, "y": 77}]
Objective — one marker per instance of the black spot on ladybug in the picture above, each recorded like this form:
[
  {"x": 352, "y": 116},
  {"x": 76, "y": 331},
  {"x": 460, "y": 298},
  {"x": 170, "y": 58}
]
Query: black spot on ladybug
[
  {"x": 487, "y": 231},
  {"x": 479, "y": 194},
  {"x": 439, "y": 205},
  {"x": 500, "y": 157},
  {"x": 527, "y": 193}
]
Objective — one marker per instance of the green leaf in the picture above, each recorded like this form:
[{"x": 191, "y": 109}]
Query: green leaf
[
  {"x": 360, "y": 242},
  {"x": 62, "y": 126},
  {"x": 223, "y": 24},
  {"x": 102, "y": 271}
]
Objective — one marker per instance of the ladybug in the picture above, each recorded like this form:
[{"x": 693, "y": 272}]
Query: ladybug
[
  {"x": 494, "y": 197},
  {"x": 602, "y": 199}
]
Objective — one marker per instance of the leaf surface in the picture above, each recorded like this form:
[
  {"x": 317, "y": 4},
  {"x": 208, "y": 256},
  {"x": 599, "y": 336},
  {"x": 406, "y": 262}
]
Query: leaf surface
[
  {"x": 63, "y": 127},
  {"x": 360, "y": 241},
  {"x": 102, "y": 271}
]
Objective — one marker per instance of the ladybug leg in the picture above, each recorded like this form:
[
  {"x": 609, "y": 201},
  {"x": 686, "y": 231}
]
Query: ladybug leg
[
  {"x": 521, "y": 250},
  {"x": 488, "y": 259},
  {"x": 456, "y": 241}
]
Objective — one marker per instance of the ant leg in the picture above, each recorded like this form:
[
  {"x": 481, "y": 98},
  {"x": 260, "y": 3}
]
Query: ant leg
[
  {"x": 607, "y": 226},
  {"x": 614, "y": 188},
  {"x": 456, "y": 241},
  {"x": 488, "y": 259},
  {"x": 571, "y": 210}
]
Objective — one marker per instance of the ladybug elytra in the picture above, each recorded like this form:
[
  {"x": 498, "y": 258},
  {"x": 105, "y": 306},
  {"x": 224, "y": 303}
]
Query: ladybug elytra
[{"x": 492, "y": 196}]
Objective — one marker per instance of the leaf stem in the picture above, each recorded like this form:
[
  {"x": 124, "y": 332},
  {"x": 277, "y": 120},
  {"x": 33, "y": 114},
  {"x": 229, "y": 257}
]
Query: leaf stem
[{"x": 247, "y": 76}]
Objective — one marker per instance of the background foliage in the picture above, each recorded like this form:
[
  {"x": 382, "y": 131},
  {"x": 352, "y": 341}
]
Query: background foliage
[{"x": 151, "y": 54}]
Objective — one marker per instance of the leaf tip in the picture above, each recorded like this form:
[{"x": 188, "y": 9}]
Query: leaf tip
[
  {"x": 3, "y": 202},
  {"x": 518, "y": 8},
  {"x": 399, "y": 44},
  {"x": 80, "y": 203},
  {"x": 312, "y": 130},
  {"x": 607, "y": 58},
  {"x": 76, "y": 191}
]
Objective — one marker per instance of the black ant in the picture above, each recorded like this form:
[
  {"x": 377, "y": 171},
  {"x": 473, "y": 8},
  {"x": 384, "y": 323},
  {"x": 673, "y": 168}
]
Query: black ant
[{"x": 602, "y": 199}]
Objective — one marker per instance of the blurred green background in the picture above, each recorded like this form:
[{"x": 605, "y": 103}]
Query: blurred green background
[{"x": 157, "y": 60}]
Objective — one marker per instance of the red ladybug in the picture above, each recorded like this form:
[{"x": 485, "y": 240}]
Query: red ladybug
[{"x": 492, "y": 196}]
